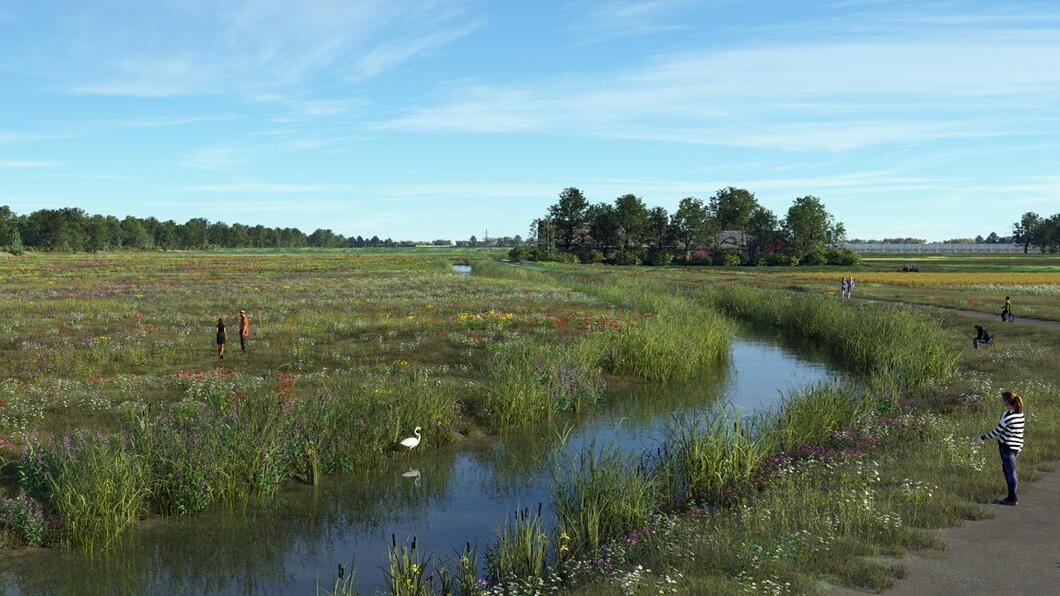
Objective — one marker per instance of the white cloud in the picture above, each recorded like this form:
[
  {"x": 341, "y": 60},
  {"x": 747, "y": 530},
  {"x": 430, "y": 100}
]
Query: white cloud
[{"x": 217, "y": 157}]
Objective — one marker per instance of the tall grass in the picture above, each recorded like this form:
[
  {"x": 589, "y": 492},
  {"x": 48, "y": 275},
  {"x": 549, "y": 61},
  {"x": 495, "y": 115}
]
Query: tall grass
[
  {"x": 812, "y": 416},
  {"x": 700, "y": 458},
  {"x": 522, "y": 547},
  {"x": 600, "y": 496},
  {"x": 98, "y": 489},
  {"x": 900, "y": 344}
]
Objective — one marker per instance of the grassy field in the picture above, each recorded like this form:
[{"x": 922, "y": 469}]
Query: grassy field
[{"x": 122, "y": 346}]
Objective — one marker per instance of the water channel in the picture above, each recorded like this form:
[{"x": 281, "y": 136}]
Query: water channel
[{"x": 443, "y": 496}]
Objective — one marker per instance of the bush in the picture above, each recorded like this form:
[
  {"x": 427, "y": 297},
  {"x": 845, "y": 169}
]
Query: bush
[
  {"x": 24, "y": 517},
  {"x": 520, "y": 253},
  {"x": 730, "y": 258},
  {"x": 591, "y": 257},
  {"x": 625, "y": 258},
  {"x": 659, "y": 258},
  {"x": 779, "y": 259},
  {"x": 816, "y": 257},
  {"x": 842, "y": 256}
]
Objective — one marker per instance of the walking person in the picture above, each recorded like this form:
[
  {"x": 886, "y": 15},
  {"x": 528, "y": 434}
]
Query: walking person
[
  {"x": 1009, "y": 434},
  {"x": 244, "y": 330},
  {"x": 843, "y": 287},
  {"x": 1006, "y": 312},
  {"x": 222, "y": 337},
  {"x": 850, "y": 287},
  {"x": 982, "y": 337}
]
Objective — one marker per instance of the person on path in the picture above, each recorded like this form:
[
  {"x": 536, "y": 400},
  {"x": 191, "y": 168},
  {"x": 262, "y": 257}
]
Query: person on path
[
  {"x": 850, "y": 287},
  {"x": 1009, "y": 434},
  {"x": 981, "y": 337},
  {"x": 1006, "y": 313},
  {"x": 244, "y": 330},
  {"x": 843, "y": 287},
  {"x": 222, "y": 337}
]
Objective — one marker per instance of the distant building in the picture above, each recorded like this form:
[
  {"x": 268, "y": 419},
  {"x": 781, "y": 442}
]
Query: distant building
[{"x": 731, "y": 240}]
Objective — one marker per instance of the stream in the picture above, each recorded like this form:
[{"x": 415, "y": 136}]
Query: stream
[{"x": 443, "y": 496}]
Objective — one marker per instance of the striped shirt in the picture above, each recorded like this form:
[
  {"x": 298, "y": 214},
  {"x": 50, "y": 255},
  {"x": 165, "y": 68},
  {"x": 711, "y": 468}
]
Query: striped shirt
[{"x": 1009, "y": 431}]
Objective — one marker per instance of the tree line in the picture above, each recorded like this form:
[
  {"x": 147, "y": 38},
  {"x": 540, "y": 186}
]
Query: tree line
[
  {"x": 731, "y": 227},
  {"x": 72, "y": 230},
  {"x": 1037, "y": 231}
]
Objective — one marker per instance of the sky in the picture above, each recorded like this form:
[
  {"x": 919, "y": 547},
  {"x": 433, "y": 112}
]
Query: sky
[{"x": 425, "y": 119}]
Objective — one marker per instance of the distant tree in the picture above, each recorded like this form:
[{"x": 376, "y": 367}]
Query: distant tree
[
  {"x": 732, "y": 208},
  {"x": 810, "y": 228},
  {"x": 603, "y": 226},
  {"x": 993, "y": 238},
  {"x": 55, "y": 229},
  {"x": 658, "y": 227},
  {"x": 568, "y": 215},
  {"x": 1046, "y": 234},
  {"x": 690, "y": 224},
  {"x": 472, "y": 241},
  {"x": 10, "y": 236},
  {"x": 762, "y": 230},
  {"x": 193, "y": 234},
  {"x": 96, "y": 233},
  {"x": 134, "y": 235},
  {"x": 631, "y": 215},
  {"x": 1023, "y": 230},
  {"x": 979, "y": 239}
]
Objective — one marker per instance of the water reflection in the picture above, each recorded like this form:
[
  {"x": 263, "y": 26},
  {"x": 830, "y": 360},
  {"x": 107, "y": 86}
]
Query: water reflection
[{"x": 443, "y": 496}]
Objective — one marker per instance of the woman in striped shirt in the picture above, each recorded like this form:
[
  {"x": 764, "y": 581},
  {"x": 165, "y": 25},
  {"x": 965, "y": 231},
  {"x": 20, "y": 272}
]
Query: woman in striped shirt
[{"x": 1009, "y": 433}]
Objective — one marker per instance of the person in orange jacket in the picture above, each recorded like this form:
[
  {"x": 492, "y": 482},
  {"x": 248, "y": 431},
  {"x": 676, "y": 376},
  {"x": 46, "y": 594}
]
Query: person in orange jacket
[{"x": 244, "y": 330}]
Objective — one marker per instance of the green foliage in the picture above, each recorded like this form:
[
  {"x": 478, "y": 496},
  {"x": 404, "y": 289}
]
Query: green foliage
[
  {"x": 842, "y": 256},
  {"x": 626, "y": 257},
  {"x": 98, "y": 489},
  {"x": 591, "y": 256},
  {"x": 813, "y": 415},
  {"x": 521, "y": 548},
  {"x": 814, "y": 257},
  {"x": 659, "y": 258},
  {"x": 599, "y": 497},
  {"x": 24, "y": 517},
  {"x": 407, "y": 571}
]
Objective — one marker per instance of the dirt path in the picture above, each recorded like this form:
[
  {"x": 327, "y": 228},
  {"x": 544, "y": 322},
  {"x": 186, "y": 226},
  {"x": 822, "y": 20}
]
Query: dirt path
[
  {"x": 1015, "y": 552},
  {"x": 985, "y": 316}
]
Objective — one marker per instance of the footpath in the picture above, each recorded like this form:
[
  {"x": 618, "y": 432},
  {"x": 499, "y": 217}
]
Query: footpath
[
  {"x": 972, "y": 314},
  {"x": 1015, "y": 552}
]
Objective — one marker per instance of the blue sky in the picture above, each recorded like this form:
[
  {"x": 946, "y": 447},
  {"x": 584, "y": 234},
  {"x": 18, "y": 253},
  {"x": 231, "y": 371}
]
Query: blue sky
[{"x": 440, "y": 119}]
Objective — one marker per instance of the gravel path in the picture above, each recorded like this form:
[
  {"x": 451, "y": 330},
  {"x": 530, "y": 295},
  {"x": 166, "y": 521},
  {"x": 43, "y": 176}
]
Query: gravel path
[{"x": 985, "y": 316}]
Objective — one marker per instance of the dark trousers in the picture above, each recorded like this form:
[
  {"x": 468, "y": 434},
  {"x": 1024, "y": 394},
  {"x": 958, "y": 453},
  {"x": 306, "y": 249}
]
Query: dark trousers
[
  {"x": 1008, "y": 466},
  {"x": 242, "y": 342}
]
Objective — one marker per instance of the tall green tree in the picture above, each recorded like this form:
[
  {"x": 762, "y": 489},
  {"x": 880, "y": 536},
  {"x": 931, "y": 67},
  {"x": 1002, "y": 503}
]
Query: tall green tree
[
  {"x": 10, "y": 237},
  {"x": 810, "y": 227},
  {"x": 658, "y": 227},
  {"x": 134, "y": 235},
  {"x": 690, "y": 224},
  {"x": 732, "y": 208},
  {"x": 1023, "y": 230},
  {"x": 762, "y": 230},
  {"x": 631, "y": 214},
  {"x": 603, "y": 226},
  {"x": 569, "y": 216}
]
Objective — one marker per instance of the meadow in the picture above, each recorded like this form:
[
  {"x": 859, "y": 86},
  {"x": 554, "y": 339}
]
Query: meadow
[{"x": 115, "y": 407}]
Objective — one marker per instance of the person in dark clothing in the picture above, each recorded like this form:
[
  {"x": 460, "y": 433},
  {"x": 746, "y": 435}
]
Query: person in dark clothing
[
  {"x": 222, "y": 337},
  {"x": 982, "y": 338},
  {"x": 244, "y": 330}
]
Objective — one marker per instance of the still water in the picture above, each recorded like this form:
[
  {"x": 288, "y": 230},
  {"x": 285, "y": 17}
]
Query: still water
[{"x": 444, "y": 496}]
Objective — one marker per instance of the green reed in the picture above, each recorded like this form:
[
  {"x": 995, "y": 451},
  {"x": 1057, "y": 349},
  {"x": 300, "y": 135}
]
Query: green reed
[{"x": 522, "y": 547}]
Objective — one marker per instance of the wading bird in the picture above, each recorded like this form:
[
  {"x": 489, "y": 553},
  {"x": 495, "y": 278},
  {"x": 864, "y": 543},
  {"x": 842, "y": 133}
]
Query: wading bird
[{"x": 411, "y": 441}]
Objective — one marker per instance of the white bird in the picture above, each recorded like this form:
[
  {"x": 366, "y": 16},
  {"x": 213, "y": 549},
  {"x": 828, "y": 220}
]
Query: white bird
[{"x": 411, "y": 441}]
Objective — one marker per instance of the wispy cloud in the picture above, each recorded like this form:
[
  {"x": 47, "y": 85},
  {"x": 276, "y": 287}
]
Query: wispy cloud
[
  {"x": 25, "y": 164},
  {"x": 250, "y": 47},
  {"x": 796, "y": 95},
  {"x": 255, "y": 186},
  {"x": 217, "y": 157},
  {"x": 597, "y": 22}
]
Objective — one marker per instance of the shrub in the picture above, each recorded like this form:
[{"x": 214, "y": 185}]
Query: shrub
[
  {"x": 591, "y": 257},
  {"x": 815, "y": 257},
  {"x": 520, "y": 253},
  {"x": 24, "y": 517},
  {"x": 779, "y": 259},
  {"x": 842, "y": 256},
  {"x": 659, "y": 258},
  {"x": 730, "y": 258},
  {"x": 626, "y": 257}
]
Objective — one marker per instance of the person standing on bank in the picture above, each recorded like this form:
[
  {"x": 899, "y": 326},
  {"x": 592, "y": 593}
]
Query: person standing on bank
[
  {"x": 244, "y": 330},
  {"x": 1009, "y": 434},
  {"x": 1006, "y": 312},
  {"x": 222, "y": 337}
]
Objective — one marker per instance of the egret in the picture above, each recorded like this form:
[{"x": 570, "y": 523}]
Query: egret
[{"x": 411, "y": 441}]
